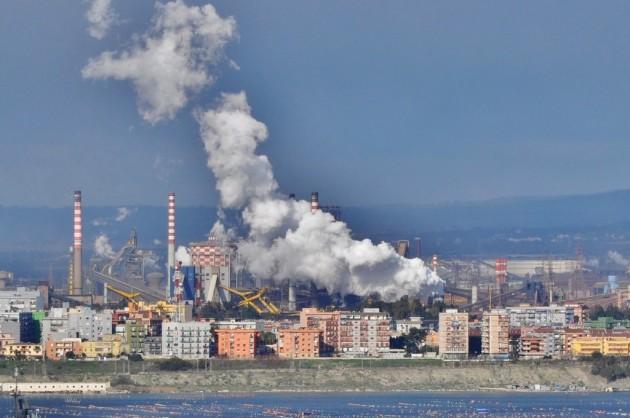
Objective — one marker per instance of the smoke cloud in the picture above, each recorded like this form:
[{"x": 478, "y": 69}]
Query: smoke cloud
[
  {"x": 285, "y": 240},
  {"x": 170, "y": 61},
  {"x": 617, "y": 258},
  {"x": 123, "y": 213},
  {"x": 182, "y": 255},
  {"x": 101, "y": 17},
  {"x": 102, "y": 247}
]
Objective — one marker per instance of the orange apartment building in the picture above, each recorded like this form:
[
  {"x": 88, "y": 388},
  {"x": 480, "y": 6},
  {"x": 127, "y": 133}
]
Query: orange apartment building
[
  {"x": 56, "y": 350},
  {"x": 299, "y": 342},
  {"x": 327, "y": 323},
  {"x": 236, "y": 343}
]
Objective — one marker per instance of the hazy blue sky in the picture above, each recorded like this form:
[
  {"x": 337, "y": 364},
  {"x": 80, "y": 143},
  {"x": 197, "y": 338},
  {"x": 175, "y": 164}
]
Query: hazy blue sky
[{"x": 369, "y": 102}]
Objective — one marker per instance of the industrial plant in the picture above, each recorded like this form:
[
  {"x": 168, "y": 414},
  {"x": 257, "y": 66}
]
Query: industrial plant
[{"x": 130, "y": 301}]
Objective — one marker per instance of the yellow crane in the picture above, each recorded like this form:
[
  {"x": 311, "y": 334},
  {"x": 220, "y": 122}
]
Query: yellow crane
[
  {"x": 132, "y": 302},
  {"x": 135, "y": 305},
  {"x": 250, "y": 297}
]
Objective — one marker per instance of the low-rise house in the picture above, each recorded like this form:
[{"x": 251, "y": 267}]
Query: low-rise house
[
  {"x": 58, "y": 349},
  {"x": 25, "y": 350}
]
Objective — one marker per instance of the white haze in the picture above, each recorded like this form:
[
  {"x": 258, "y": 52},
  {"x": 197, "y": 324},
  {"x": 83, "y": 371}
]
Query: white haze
[
  {"x": 102, "y": 247},
  {"x": 170, "y": 61},
  {"x": 286, "y": 240},
  {"x": 100, "y": 16},
  {"x": 182, "y": 255},
  {"x": 617, "y": 258},
  {"x": 123, "y": 213}
]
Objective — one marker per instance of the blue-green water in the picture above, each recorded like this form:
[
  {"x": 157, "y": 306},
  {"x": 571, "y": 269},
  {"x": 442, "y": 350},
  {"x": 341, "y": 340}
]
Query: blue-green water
[{"x": 397, "y": 404}]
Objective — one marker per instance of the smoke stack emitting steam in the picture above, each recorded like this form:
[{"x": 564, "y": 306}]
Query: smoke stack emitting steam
[
  {"x": 286, "y": 238},
  {"x": 292, "y": 239},
  {"x": 171, "y": 239},
  {"x": 76, "y": 247},
  {"x": 314, "y": 202}
]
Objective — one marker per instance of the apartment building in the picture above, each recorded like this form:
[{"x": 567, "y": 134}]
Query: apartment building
[
  {"x": 328, "y": 323},
  {"x": 453, "y": 335},
  {"x": 364, "y": 333},
  {"x": 608, "y": 346},
  {"x": 57, "y": 349},
  {"x": 540, "y": 316},
  {"x": 186, "y": 340},
  {"x": 495, "y": 334},
  {"x": 236, "y": 343},
  {"x": 541, "y": 342},
  {"x": 299, "y": 343}
]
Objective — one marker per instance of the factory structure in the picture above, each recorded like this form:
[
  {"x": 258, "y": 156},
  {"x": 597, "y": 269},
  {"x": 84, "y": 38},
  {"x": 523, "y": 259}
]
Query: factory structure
[{"x": 126, "y": 301}]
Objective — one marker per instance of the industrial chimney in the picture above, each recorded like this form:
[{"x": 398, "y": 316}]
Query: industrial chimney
[
  {"x": 314, "y": 202},
  {"x": 76, "y": 247},
  {"x": 171, "y": 241},
  {"x": 292, "y": 291}
]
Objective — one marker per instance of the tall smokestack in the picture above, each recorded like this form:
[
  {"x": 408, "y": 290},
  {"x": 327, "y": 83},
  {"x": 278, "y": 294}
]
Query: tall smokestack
[
  {"x": 292, "y": 304},
  {"x": 314, "y": 202},
  {"x": 76, "y": 247},
  {"x": 171, "y": 240}
]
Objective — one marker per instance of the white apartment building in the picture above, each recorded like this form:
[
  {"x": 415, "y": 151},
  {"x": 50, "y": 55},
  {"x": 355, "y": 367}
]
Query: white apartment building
[{"x": 186, "y": 340}]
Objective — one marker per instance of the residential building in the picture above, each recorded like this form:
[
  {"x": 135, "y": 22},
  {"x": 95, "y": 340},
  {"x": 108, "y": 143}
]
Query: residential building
[
  {"x": 495, "y": 334},
  {"x": 109, "y": 346},
  {"x": 82, "y": 322},
  {"x": 541, "y": 342},
  {"x": 186, "y": 340},
  {"x": 328, "y": 323},
  {"x": 299, "y": 342},
  {"x": 608, "y": 346},
  {"x": 236, "y": 343},
  {"x": 21, "y": 349},
  {"x": 453, "y": 335},
  {"x": 364, "y": 333},
  {"x": 57, "y": 349},
  {"x": 540, "y": 316},
  {"x": 606, "y": 322},
  {"x": 21, "y": 299},
  {"x": 133, "y": 337},
  {"x": 403, "y": 326}
]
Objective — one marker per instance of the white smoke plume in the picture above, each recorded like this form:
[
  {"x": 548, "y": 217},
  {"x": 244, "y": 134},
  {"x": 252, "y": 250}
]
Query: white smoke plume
[
  {"x": 123, "y": 213},
  {"x": 102, "y": 247},
  {"x": 617, "y": 258},
  {"x": 170, "y": 61},
  {"x": 182, "y": 255},
  {"x": 101, "y": 17},
  {"x": 286, "y": 240}
]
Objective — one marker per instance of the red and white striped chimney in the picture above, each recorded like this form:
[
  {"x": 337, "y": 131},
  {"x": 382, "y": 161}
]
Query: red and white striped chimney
[
  {"x": 314, "y": 202},
  {"x": 171, "y": 239},
  {"x": 77, "y": 244}
]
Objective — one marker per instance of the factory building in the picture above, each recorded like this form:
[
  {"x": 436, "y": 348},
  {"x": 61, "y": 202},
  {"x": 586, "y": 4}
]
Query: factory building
[
  {"x": 364, "y": 333},
  {"x": 214, "y": 261},
  {"x": 495, "y": 334},
  {"x": 453, "y": 335},
  {"x": 236, "y": 343},
  {"x": 186, "y": 340},
  {"x": 299, "y": 343}
]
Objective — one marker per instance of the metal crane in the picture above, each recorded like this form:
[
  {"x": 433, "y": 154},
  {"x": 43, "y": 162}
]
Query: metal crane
[{"x": 250, "y": 297}]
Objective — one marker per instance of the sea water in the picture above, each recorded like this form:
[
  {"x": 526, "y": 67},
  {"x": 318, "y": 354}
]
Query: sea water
[{"x": 391, "y": 404}]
